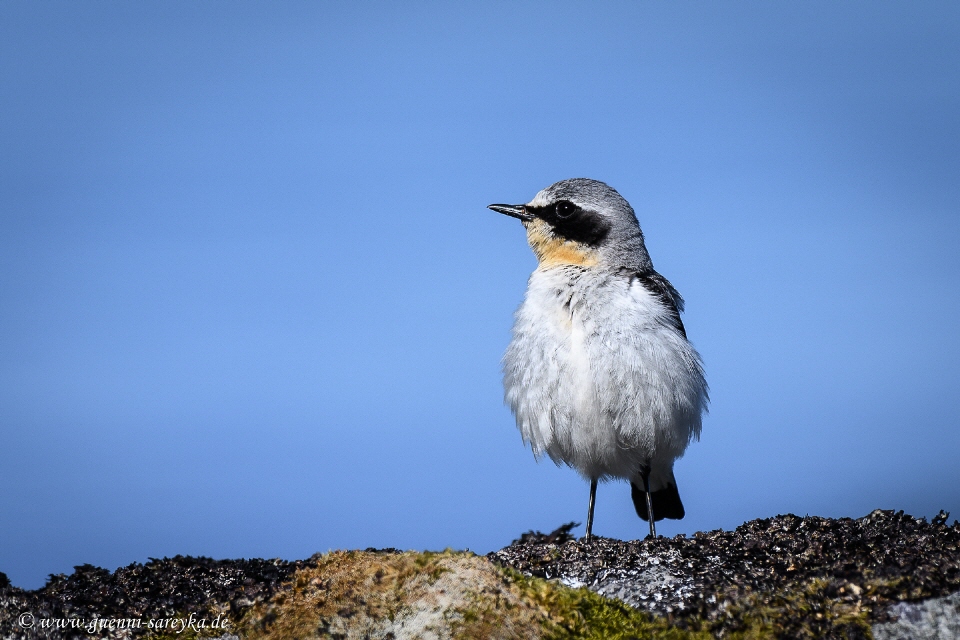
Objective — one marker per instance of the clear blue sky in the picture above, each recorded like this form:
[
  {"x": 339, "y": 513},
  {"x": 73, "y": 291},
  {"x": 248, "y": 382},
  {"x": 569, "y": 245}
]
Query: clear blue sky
[{"x": 251, "y": 302}]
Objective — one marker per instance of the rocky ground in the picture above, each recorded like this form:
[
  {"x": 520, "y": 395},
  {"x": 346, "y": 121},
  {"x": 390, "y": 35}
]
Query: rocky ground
[
  {"x": 815, "y": 577},
  {"x": 886, "y": 575}
]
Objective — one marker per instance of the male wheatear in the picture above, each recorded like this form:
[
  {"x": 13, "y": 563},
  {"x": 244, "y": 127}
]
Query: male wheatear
[{"x": 599, "y": 374}]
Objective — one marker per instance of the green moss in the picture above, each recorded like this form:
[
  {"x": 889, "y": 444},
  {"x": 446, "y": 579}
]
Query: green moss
[
  {"x": 567, "y": 614},
  {"x": 805, "y": 610},
  {"x": 813, "y": 609},
  {"x": 429, "y": 562},
  {"x": 463, "y": 596}
]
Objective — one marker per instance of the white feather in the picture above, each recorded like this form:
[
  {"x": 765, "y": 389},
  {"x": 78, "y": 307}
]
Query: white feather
[{"x": 599, "y": 378}]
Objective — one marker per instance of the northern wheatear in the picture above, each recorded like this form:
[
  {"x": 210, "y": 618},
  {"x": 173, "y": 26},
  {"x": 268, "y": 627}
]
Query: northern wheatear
[{"x": 599, "y": 374}]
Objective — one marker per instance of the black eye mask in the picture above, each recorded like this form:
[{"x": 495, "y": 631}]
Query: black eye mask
[{"x": 572, "y": 222}]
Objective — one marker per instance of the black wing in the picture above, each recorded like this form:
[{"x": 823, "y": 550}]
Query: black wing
[{"x": 669, "y": 297}]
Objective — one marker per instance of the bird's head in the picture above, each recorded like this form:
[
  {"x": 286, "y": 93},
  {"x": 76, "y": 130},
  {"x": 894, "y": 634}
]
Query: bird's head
[{"x": 581, "y": 222}]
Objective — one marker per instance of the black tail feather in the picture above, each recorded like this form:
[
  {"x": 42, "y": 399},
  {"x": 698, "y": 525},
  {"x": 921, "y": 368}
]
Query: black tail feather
[{"x": 666, "y": 503}]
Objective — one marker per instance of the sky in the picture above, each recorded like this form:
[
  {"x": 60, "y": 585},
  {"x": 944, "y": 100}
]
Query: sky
[{"x": 252, "y": 303}]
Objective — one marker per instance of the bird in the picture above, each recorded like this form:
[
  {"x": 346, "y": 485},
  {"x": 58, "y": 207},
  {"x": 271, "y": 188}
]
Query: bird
[{"x": 599, "y": 373}]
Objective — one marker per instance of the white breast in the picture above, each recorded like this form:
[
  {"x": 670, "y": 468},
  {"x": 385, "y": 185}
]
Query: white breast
[{"x": 597, "y": 376}]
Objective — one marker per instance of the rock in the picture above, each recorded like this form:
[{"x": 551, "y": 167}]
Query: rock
[
  {"x": 845, "y": 573},
  {"x": 933, "y": 619},
  {"x": 886, "y": 575}
]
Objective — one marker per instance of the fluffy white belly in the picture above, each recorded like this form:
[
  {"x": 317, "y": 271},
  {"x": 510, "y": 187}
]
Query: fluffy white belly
[{"x": 597, "y": 377}]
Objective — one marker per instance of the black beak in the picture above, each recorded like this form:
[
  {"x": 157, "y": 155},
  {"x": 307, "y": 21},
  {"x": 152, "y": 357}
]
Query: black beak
[{"x": 512, "y": 210}]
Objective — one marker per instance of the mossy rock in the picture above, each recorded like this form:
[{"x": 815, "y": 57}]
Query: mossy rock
[{"x": 359, "y": 594}]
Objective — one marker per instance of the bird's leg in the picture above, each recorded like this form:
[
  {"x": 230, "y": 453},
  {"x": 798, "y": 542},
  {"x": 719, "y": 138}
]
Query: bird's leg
[
  {"x": 646, "y": 490},
  {"x": 593, "y": 499}
]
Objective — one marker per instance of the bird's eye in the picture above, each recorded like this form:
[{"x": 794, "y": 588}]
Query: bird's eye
[{"x": 565, "y": 209}]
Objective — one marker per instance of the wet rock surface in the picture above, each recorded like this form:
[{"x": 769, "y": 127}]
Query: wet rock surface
[{"x": 833, "y": 571}]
